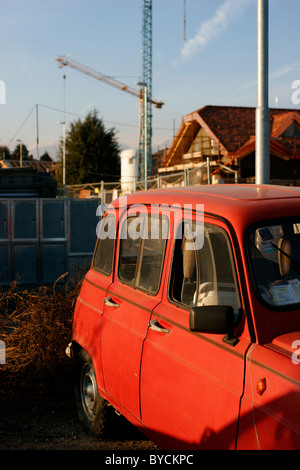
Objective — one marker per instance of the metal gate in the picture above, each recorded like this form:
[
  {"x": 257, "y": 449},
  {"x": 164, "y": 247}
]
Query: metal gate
[{"x": 41, "y": 239}]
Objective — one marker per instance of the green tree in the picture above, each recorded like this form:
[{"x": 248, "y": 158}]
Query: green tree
[
  {"x": 4, "y": 153},
  {"x": 46, "y": 157},
  {"x": 92, "y": 152},
  {"x": 25, "y": 153}
]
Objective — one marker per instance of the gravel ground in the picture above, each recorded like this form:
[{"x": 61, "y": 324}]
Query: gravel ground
[{"x": 52, "y": 424}]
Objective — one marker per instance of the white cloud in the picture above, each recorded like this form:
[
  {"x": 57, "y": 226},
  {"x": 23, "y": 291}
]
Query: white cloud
[
  {"x": 282, "y": 71},
  {"x": 285, "y": 70},
  {"x": 213, "y": 27},
  {"x": 29, "y": 75},
  {"x": 86, "y": 108}
]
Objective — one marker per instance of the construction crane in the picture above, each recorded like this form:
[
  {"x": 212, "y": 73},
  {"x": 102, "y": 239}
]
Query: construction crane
[
  {"x": 144, "y": 93},
  {"x": 145, "y": 140},
  {"x": 66, "y": 61}
]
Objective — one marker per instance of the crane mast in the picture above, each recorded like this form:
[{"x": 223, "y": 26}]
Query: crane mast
[{"x": 145, "y": 139}]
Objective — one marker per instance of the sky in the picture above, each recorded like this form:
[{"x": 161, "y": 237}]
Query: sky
[{"x": 209, "y": 61}]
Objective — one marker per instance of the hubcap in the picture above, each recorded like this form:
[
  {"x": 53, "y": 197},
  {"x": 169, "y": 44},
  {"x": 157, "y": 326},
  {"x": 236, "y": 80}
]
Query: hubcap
[{"x": 88, "y": 392}]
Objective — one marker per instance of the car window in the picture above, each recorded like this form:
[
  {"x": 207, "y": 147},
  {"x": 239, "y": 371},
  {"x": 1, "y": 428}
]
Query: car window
[
  {"x": 104, "y": 251},
  {"x": 204, "y": 275},
  {"x": 142, "y": 247},
  {"x": 274, "y": 251}
]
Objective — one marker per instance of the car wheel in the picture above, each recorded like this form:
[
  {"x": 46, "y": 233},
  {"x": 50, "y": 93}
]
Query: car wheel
[{"x": 92, "y": 408}]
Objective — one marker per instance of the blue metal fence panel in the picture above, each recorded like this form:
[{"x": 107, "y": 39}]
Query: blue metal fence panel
[{"x": 41, "y": 239}]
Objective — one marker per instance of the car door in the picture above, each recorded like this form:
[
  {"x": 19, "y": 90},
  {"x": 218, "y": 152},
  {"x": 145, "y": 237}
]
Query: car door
[
  {"x": 129, "y": 302},
  {"x": 271, "y": 401},
  {"x": 192, "y": 383},
  {"x": 89, "y": 304}
]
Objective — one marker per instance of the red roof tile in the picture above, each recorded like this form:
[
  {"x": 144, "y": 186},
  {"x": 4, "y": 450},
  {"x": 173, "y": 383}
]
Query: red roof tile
[{"x": 233, "y": 127}]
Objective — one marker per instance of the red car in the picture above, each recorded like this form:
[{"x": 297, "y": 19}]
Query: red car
[{"x": 188, "y": 321}]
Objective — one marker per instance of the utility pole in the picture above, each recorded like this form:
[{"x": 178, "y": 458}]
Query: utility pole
[
  {"x": 262, "y": 137},
  {"x": 21, "y": 152},
  {"x": 184, "y": 19},
  {"x": 37, "y": 136}
]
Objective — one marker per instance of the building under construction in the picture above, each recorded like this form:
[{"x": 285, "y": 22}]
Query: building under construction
[{"x": 226, "y": 135}]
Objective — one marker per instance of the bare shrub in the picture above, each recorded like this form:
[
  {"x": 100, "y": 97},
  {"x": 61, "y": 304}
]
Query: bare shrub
[{"x": 35, "y": 326}]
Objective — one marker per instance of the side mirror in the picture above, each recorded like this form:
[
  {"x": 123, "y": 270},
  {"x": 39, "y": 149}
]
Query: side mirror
[{"x": 214, "y": 319}]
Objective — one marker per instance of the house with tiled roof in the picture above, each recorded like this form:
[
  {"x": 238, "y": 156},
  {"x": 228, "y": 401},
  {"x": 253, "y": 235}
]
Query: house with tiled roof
[
  {"x": 224, "y": 136},
  {"x": 42, "y": 166}
]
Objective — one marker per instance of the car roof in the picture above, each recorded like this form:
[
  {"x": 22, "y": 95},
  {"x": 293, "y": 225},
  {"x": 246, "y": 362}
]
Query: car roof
[{"x": 243, "y": 201}]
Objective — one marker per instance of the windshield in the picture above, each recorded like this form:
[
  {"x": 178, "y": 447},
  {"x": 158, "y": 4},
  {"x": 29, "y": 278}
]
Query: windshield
[{"x": 275, "y": 261}]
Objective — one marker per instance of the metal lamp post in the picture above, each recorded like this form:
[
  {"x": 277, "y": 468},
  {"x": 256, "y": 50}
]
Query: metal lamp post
[
  {"x": 262, "y": 139},
  {"x": 145, "y": 94},
  {"x": 21, "y": 159}
]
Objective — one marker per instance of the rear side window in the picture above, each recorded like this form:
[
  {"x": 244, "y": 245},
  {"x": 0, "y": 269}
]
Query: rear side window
[
  {"x": 274, "y": 251},
  {"x": 104, "y": 252},
  {"x": 205, "y": 275},
  {"x": 142, "y": 248}
]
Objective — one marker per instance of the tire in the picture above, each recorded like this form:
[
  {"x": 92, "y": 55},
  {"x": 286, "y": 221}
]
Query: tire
[{"x": 92, "y": 408}]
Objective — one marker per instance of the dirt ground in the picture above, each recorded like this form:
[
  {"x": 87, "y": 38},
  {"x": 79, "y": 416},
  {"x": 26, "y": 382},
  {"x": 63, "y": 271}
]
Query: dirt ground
[{"x": 51, "y": 423}]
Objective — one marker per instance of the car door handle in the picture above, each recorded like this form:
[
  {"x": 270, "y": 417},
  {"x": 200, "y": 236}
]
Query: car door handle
[
  {"x": 154, "y": 325},
  {"x": 110, "y": 302}
]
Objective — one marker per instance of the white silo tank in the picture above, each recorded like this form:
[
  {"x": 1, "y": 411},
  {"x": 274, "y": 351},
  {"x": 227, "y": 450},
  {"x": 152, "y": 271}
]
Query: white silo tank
[{"x": 128, "y": 170}]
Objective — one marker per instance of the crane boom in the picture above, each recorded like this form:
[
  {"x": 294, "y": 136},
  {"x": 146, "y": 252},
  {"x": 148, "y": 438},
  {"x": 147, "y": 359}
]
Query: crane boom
[{"x": 65, "y": 61}]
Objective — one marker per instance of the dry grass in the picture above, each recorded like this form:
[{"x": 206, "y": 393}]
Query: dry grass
[{"x": 35, "y": 326}]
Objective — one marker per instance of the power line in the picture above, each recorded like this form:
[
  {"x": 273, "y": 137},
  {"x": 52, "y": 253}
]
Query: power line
[
  {"x": 21, "y": 126},
  {"x": 77, "y": 115},
  {"x": 105, "y": 120}
]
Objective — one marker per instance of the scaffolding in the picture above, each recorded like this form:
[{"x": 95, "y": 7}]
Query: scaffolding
[{"x": 203, "y": 174}]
